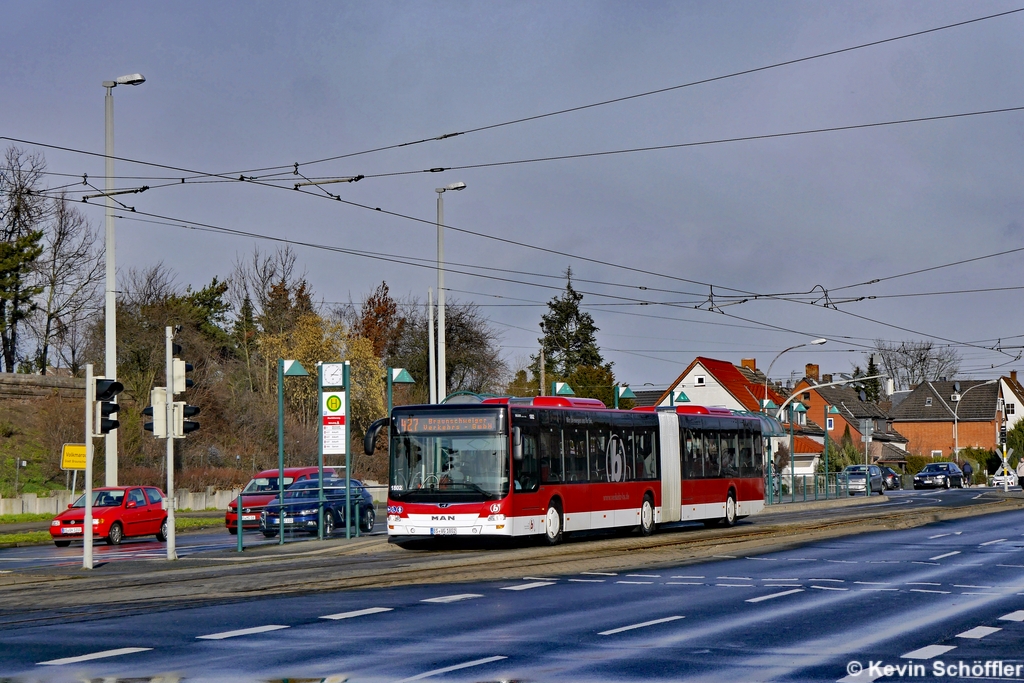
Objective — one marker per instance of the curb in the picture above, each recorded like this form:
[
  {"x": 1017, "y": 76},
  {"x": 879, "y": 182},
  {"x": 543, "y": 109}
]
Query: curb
[{"x": 822, "y": 504}]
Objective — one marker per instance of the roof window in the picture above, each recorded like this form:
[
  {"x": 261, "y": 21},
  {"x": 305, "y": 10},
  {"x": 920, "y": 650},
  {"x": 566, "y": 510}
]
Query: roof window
[{"x": 927, "y": 401}]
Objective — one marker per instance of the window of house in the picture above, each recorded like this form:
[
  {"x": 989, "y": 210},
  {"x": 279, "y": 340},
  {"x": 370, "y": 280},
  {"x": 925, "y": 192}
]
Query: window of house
[
  {"x": 936, "y": 454},
  {"x": 830, "y": 424},
  {"x": 807, "y": 396},
  {"x": 698, "y": 380},
  {"x": 1009, "y": 409},
  {"x": 927, "y": 400}
]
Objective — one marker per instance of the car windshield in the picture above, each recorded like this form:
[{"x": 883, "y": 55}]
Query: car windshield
[
  {"x": 265, "y": 484},
  {"x": 303, "y": 491},
  {"x": 103, "y": 499},
  {"x": 935, "y": 468},
  {"x": 855, "y": 469}
]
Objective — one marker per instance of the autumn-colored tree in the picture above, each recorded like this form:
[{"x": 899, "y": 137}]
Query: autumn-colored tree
[{"x": 379, "y": 321}]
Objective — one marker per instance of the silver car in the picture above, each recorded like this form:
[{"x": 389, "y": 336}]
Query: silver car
[{"x": 855, "y": 479}]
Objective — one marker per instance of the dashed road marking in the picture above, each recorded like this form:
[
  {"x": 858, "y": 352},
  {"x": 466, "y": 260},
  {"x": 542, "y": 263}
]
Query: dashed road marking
[
  {"x": 453, "y": 598},
  {"x": 1017, "y": 566},
  {"x": 636, "y": 583},
  {"x": 949, "y": 554},
  {"x": 967, "y": 585},
  {"x": 829, "y": 580},
  {"x": 934, "y": 564},
  {"x": 683, "y": 583},
  {"x": 792, "y": 578},
  {"x": 937, "y": 536},
  {"x": 922, "y": 583},
  {"x": 842, "y": 561},
  {"x": 830, "y": 588},
  {"x": 528, "y": 586},
  {"x": 764, "y": 559},
  {"x": 357, "y": 613},
  {"x": 95, "y": 655},
  {"x": 978, "y": 632},
  {"x": 539, "y": 578},
  {"x": 653, "y": 622},
  {"x": 644, "y": 576},
  {"x": 1013, "y": 616},
  {"x": 928, "y": 652},
  {"x": 735, "y": 578},
  {"x": 928, "y": 590},
  {"x": 454, "y": 667},
  {"x": 775, "y": 595},
  {"x": 242, "y": 632},
  {"x": 873, "y": 583},
  {"x": 735, "y": 585},
  {"x": 586, "y": 580},
  {"x": 998, "y": 540},
  {"x": 687, "y": 577}
]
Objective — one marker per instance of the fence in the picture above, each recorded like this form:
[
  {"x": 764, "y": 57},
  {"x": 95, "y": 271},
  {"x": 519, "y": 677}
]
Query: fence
[{"x": 803, "y": 487}]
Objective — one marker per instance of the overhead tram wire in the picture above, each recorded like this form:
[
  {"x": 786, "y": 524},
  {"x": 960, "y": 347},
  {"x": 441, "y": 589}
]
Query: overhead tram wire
[{"x": 929, "y": 269}]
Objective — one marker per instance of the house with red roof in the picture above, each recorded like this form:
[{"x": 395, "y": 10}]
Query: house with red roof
[{"x": 719, "y": 383}]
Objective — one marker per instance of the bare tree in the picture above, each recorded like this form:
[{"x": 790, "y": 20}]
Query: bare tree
[
  {"x": 910, "y": 363},
  {"x": 69, "y": 270}
]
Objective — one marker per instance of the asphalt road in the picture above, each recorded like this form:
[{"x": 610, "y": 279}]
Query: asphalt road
[{"x": 932, "y": 595}]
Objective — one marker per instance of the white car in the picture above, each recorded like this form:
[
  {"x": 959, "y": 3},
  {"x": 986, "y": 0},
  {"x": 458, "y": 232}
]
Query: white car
[{"x": 1008, "y": 477}]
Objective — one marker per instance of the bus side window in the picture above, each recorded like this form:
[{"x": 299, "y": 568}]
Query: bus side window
[
  {"x": 551, "y": 455},
  {"x": 758, "y": 455},
  {"x": 730, "y": 454},
  {"x": 598, "y": 452},
  {"x": 629, "y": 469},
  {"x": 747, "y": 468},
  {"x": 712, "y": 459},
  {"x": 698, "y": 454},
  {"x": 527, "y": 470},
  {"x": 576, "y": 455},
  {"x": 691, "y": 451},
  {"x": 646, "y": 454}
]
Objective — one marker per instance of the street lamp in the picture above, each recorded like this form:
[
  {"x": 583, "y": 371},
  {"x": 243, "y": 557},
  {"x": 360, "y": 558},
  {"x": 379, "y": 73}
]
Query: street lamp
[
  {"x": 816, "y": 342},
  {"x": 110, "y": 334},
  {"x": 442, "y": 379},
  {"x": 956, "y": 425}
]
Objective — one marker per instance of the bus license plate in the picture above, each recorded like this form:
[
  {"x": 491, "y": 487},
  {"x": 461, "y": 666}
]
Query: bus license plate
[
  {"x": 71, "y": 530},
  {"x": 442, "y": 531},
  {"x": 289, "y": 520}
]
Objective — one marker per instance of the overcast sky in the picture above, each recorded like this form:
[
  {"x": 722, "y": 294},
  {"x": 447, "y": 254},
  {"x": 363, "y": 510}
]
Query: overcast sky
[{"x": 238, "y": 86}]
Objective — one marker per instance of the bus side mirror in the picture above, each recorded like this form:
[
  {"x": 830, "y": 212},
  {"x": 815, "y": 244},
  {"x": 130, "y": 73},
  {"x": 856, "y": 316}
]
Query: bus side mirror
[
  {"x": 370, "y": 439},
  {"x": 517, "y": 444}
]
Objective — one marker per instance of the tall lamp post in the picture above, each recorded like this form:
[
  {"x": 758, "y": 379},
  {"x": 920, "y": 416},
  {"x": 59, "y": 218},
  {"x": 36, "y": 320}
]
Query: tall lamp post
[
  {"x": 956, "y": 425},
  {"x": 816, "y": 342},
  {"x": 110, "y": 305},
  {"x": 442, "y": 378}
]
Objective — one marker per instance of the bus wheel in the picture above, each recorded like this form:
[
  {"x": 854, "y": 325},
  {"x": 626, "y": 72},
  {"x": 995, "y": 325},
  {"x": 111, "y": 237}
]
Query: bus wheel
[
  {"x": 647, "y": 517},
  {"x": 730, "y": 510},
  {"x": 553, "y": 524}
]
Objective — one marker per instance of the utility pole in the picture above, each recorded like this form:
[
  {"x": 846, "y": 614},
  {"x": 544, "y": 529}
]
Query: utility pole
[{"x": 542, "y": 371}]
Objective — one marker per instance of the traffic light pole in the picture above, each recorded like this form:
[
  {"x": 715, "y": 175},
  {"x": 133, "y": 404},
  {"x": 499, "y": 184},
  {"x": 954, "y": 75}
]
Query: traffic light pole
[
  {"x": 90, "y": 389},
  {"x": 169, "y": 358}
]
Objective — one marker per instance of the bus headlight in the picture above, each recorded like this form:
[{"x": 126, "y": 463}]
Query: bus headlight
[{"x": 392, "y": 519}]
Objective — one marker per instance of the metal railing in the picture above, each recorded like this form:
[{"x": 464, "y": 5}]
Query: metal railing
[{"x": 803, "y": 487}]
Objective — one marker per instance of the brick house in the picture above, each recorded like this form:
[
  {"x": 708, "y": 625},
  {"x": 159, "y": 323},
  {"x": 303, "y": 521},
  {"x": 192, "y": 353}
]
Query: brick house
[{"x": 926, "y": 416}]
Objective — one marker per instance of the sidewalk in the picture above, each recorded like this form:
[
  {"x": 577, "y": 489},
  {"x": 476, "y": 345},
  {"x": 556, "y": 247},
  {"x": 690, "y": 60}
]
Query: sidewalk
[{"x": 821, "y": 504}]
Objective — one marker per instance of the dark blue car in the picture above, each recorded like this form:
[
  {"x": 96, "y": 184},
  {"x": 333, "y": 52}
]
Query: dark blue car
[{"x": 301, "y": 509}]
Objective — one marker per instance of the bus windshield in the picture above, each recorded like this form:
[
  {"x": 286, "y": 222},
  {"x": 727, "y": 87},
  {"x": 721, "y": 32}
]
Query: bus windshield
[{"x": 450, "y": 457}]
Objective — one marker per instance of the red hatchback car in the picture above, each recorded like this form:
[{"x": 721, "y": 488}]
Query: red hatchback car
[
  {"x": 117, "y": 513},
  {"x": 262, "y": 489}
]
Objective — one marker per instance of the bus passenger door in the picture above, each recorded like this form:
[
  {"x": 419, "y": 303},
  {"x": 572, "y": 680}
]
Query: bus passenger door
[{"x": 527, "y": 506}]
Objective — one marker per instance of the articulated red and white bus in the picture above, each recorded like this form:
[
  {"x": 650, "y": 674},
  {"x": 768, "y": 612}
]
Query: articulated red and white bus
[{"x": 553, "y": 465}]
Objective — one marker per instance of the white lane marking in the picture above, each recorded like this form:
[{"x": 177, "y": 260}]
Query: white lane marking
[
  {"x": 1018, "y": 566},
  {"x": 934, "y": 564},
  {"x": 653, "y": 622},
  {"x": 926, "y": 590},
  {"x": 241, "y": 632},
  {"x": 937, "y": 536},
  {"x": 637, "y": 583},
  {"x": 598, "y": 573},
  {"x": 894, "y": 590},
  {"x": 357, "y": 613},
  {"x": 735, "y": 578},
  {"x": 928, "y": 652},
  {"x": 881, "y": 562},
  {"x": 978, "y": 496},
  {"x": 528, "y": 586},
  {"x": 939, "y": 557},
  {"x": 842, "y": 561},
  {"x": 687, "y": 577},
  {"x": 454, "y": 667},
  {"x": 453, "y": 598},
  {"x": 1013, "y": 616},
  {"x": 832, "y": 580},
  {"x": 586, "y": 580},
  {"x": 969, "y": 593},
  {"x": 801, "y": 559},
  {"x": 764, "y": 559},
  {"x": 735, "y": 585},
  {"x": 644, "y": 576},
  {"x": 922, "y": 583},
  {"x": 775, "y": 595},
  {"x": 792, "y": 578},
  {"x": 683, "y": 583},
  {"x": 967, "y": 585},
  {"x": 95, "y": 655},
  {"x": 998, "y": 540},
  {"x": 539, "y": 578},
  {"x": 978, "y": 632},
  {"x": 873, "y": 583},
  {"x": 830, "y": 588}
]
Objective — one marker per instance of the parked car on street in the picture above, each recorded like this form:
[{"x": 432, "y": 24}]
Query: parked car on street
[
  {"x": 891, "y": 478},
  {"x": 939, "y": 475},
  {"x": 301, "y": 508},
  {"x": 855, "y": 479},
  {"x": 118, "y": 512},
  {"x": 262, "y": 489},
  {"x": 1007, "y": 477}
]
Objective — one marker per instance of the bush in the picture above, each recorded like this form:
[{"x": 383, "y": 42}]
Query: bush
[{"x": 916, "y": 463}]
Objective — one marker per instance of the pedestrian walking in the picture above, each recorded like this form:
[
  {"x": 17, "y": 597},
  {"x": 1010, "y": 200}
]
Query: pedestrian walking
[{"x": 968, "y": 471}]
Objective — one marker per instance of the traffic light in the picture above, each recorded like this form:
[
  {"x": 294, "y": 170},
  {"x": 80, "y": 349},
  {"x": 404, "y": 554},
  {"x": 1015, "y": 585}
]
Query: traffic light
[
  {"x": 157, "y": 410},
  {"x": 105, "y": 406},
  {"x": 1002, "y": 433},
  {"x": 181, "y": 379},
  {"x": 182, "y": 425}
]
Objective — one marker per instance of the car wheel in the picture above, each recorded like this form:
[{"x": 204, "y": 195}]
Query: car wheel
[
  {"x": 328, "y": 522},
  {"x": 62, "y": 544},
  {"x": 232, "y": 530},
  {"x": 647, "y": 516},
  {"x": 730, "y": 510},
  {"x": 369, "y": 518},
  {"x": 270, "y": 534},
  {"x": 116, "y": 534},
  {"x": 553, "y": 523},
  {"x": 162, "y": 534}
]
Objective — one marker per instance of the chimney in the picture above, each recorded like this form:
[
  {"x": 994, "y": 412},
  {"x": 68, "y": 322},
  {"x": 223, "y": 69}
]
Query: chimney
[
  {"x": 1013, "y": 375},
  {"x": 826, "y": 379},
  {"x": 749, "y": 363},
  {"x": 811, "y": 370}
]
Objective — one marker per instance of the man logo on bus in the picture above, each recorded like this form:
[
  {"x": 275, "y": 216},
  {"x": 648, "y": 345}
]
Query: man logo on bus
[{"x": 615, "y": 459}]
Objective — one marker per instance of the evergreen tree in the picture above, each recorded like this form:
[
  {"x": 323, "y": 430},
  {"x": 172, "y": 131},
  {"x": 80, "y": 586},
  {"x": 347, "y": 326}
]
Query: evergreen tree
[
  {"x": 872, "y": 387},
  {"x": 569, "y": 336}
]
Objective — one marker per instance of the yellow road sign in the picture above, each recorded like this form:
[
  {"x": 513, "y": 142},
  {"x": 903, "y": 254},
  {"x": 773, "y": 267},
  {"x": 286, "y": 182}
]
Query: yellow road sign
[{"x": 73, "y": 456}]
